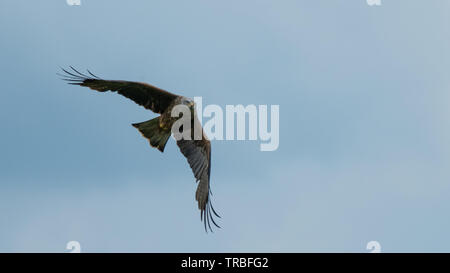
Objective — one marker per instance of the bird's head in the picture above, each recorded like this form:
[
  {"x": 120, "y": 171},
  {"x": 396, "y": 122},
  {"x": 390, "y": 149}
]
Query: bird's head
[{"x": 188, "y": 102}]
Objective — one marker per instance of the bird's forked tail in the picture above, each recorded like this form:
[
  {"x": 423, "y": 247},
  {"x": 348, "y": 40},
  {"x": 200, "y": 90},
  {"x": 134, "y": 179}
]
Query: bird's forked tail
[{"x": 156, "y": 135}]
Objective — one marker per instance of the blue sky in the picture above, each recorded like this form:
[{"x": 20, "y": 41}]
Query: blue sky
[{"x": 364, "y": 125}]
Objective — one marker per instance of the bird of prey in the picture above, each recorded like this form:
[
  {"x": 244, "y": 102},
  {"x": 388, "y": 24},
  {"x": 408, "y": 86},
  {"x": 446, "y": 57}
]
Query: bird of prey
[{"x": 158, "y": 130}]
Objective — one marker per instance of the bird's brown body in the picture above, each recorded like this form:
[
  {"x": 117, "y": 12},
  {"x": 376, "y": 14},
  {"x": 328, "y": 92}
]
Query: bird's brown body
[{"x": 166, "y": 120}]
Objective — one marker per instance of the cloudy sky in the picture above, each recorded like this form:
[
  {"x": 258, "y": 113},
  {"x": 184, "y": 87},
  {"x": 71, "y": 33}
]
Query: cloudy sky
[{"x": 364, "y": 96}]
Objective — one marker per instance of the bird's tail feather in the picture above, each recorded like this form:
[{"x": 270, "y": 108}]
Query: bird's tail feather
[{"x": 156, "y": 135}]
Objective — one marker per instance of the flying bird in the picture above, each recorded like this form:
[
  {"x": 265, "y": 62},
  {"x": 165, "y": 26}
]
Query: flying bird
[{"x": 158, "y": 130}]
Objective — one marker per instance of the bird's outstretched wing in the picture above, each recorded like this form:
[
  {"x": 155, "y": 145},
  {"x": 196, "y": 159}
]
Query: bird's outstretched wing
[
  {"x": 151, "y": 97},
  {"x": 198, "y": 154}
]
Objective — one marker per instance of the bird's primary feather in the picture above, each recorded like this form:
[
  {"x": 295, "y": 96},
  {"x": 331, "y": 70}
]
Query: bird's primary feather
[{"x": 146, "y": 95}]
